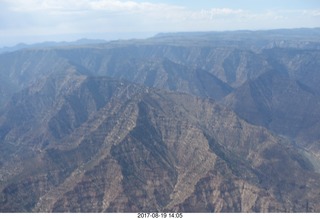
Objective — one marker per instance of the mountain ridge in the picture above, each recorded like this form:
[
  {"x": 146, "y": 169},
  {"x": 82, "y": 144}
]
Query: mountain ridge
[
  {"x": 51, "y": 44},
  {"x": 162, "y": 125},
  {"x": 147, "y": 115}
]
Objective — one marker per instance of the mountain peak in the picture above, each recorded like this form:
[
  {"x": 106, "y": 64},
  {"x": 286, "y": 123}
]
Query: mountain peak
[{"x": 203, "y": 122}]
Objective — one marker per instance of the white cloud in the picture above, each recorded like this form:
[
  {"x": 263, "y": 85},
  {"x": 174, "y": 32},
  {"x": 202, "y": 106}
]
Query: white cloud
[
  {"x": 224, "y": 11},
  {"x": 41, "y": 17},
  {"x": 45, "y": 5},
  {"x": 116, "y": 5},
  {"x": 315, "y": 13},
  {"x": 86, "y": 5}
]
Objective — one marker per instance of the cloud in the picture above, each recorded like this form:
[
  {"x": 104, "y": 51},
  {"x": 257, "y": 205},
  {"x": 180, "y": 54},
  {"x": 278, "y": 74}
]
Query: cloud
[
  {"x": 315, "y": 13},
  {"x": 90, "y": 15},
  {"x": 224, "y": 11},
  {"x": 47, "y": 17},
  {"x": 90, "y": 10},
  {"x": 45, "y": 5},
  {"x": 87, "y": 5},
  {"x": 116, "y": 5}
]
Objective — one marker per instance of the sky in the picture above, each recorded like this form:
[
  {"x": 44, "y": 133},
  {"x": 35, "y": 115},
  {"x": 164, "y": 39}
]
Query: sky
[{"x": 31, "y": 21}]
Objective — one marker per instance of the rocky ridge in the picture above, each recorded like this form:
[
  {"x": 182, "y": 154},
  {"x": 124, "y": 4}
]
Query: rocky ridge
[
  {"x": 137, "y": 126},
  {"x": 140, "y": 149}
]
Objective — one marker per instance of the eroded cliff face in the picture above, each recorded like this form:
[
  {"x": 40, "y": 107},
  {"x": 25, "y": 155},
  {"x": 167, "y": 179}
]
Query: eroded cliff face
[
  {"x": 138, "y": 126},
  {"x": 94, "y": 144}
]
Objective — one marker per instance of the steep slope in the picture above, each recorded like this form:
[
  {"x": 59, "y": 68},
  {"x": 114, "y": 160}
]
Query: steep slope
[
  {"x": 77, "y": 135},
  {"x": 19, "y": 69},
  {"x": 227, "y": 63},
  {"x": 94, "y": 144},
  {"x": 300, "y": 64},
  {"x": 147, "y": 65},
  {"x": 151, "y": 65},
  {"x": 286, "y": 99},
  {"x": 278, "y": 103},
  {"x": 202, "y": 64}
]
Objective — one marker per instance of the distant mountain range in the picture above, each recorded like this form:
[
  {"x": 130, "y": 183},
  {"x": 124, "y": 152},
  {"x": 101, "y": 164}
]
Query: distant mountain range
[
  {"x": 181, "y": 122},
  {"x": 50, "y": 45}
]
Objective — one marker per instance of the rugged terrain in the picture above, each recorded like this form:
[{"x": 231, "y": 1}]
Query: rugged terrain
[{"x": 148, "y": 125}]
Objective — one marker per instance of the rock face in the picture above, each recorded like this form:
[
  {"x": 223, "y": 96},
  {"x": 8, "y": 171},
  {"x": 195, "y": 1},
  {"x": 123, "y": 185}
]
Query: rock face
[
  {"x": 129, "y": 127},
  {"x": 285, "y": 99},
  {"x": 129, "y": 148}
]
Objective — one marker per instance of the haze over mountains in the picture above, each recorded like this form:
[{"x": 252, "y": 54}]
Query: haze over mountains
[
  {"x": 191, "y": 122},
  {"x": 50, "y": 44}
]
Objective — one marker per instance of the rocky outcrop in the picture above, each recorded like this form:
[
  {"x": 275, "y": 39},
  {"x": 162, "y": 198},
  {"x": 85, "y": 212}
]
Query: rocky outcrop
[
  {"x": 285, "y": 99},
  {"x": 139, "y": 149},
  {"x": 134, "y": 126}
]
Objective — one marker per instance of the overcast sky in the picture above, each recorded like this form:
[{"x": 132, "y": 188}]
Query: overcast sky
[{"x": 41, "y": 20}]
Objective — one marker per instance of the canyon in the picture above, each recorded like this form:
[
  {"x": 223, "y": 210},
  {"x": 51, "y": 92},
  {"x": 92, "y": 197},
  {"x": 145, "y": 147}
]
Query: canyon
[{"x": 180, "y": 122}]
